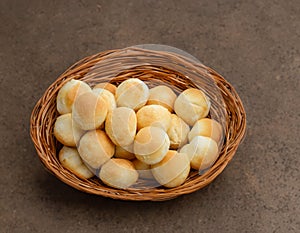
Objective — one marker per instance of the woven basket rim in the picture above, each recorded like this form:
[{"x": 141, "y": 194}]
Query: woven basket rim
[{"x": 46, "y": 145}]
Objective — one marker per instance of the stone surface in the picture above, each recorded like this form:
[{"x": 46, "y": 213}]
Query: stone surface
[{"x": 253, "y": 44}]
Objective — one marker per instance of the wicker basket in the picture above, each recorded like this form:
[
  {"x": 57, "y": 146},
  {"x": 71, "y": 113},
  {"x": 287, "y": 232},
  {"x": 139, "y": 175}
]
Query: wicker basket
[{"x": 88, "y": 69}]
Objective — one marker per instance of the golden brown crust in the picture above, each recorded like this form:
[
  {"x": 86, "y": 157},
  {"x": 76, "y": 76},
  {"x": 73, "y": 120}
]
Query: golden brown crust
[
  {"x": 162, "y": 95},
  {"x": 70, "y": 159},
  {"x": 153, "y": 115},
  {"x": 172, "y": 170},
  {"x": 68, "y": 93},
  {"x": 95, "y": 148},
  {"x": 178, "y": 132},
  {"x": 118, "y": 173},
  {"x": 66, "y": 131},
  {"x": 89, "y": 111},
  {"x": 121, "y": 126},
  {"x": 202, "y": 152},
  {"x": 143, "y": 169},
  {"x": 132, "y": 93},
  {"x": 191, "y": 105},
  {"x": 107, "y": 96},
  {"x": 124, "y": 152},
  {"x": 149, "y": 139},
  {"x": 107, "y": 86},
  {"x": 208, "y": 128},
  {"x": 151, "y": 144}
]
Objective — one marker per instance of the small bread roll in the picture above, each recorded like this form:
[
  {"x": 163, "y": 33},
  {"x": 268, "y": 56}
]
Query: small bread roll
[
  {"x": 132, "y": 93},
  {"x": 124, "y": 152},
  {"x": 202, "y": 151},
  {"x": 70, "y": 159},
  {"x": 107, "y": 96},
  {"x": 151, "y": 144},
  {"x": 208, "y": 128},
  {"x": 162, "y": 95},
  {"x": 178, "y": 132},
  {"x": 95, "y": 148},
  {"x": 155, "y": 115},
  {"x": 68, "y": 93},
  {"x": 107, "y": 86},
  {"x": 66, "y": 131},
  {"x": 120, "y": 126},
  {"x": 89, "y": 111},
  {"x": 173, "y": 170},
  {"x": 118, "y": 173},
  {"x": 192, "y": 105},
  {"x": 143, "y": 169}
]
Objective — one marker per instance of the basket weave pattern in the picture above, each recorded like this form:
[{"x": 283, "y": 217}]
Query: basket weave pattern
[{"x": 44, "y": 115}]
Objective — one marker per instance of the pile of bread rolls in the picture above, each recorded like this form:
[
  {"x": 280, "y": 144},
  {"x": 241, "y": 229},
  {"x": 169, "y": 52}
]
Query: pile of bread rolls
[{"x": 128, "y": 132}]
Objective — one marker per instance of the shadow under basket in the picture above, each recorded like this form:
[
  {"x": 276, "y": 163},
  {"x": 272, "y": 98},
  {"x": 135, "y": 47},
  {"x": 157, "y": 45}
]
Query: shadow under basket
[{"x": 135, "y": 63}]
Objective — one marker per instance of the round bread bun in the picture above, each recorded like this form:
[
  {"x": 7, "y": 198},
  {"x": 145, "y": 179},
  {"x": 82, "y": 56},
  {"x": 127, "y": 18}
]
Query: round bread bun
[
  {"x": 208, "y": 128},
  {"x": 124, "y": 152},
  {"x": 151, "y": 145},
  {"x": 68, "y": 93},
  {"x": 132, "y": 93},
  {"x": 202, "y": 151},
  {"x": 178, "y": 132},
  {"x": 191, "y": 105},
  {"x": 66, "y": 131},
  {"x": 162, "y": 95},
  {"x": 107, "y": 86},
  {"x": 118, "y": 173},
  {"x": 89, "y": 111},
  {"x": 173, "y": 170},
  {"x": 70, "y": 159},
  {"x": 120, "y": 126},
  {"x": 95, "y": 148},
  {"x": 107, "y": 96},
  {"x": 153, "y": 115},
  {"x": 143, "y": 169}
]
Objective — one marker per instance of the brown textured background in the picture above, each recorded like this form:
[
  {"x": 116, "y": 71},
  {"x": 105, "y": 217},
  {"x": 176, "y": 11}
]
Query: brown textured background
[{"x": 254, "y": 44}]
